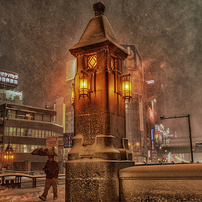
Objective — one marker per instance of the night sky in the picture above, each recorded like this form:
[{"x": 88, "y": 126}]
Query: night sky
[{"x": 35, "y": 38}]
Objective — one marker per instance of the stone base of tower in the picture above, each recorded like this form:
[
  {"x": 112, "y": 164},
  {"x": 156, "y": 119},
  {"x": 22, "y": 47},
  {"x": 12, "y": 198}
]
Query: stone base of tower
[{"x": 93, "y": 179}]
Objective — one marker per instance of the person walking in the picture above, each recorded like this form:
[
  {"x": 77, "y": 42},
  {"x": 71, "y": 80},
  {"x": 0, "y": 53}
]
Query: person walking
[{"x": 51, "y": 169}]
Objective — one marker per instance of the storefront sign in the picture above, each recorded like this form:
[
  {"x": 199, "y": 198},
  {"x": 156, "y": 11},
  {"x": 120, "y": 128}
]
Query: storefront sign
[
  {"x": 8, "y": 78},
  {"x": 150, "y": 81},
  {"x": 52, "y": 141}
]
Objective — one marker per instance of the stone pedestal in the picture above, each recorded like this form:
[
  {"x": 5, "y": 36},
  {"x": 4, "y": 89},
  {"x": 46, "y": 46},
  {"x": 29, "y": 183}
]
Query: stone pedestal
[
  {"x": 161, "y": 183},
  {"x": 93, "y": 179},
  {"x": 92, "y": 170}
]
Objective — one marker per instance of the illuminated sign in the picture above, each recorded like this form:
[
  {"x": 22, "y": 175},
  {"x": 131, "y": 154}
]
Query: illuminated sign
[
  {"x": 13, "y": 95},
  {"x": 157, "y": 129},
  {"x": 133, "y": 61},
  {"x": 152, "y": 140},
  {"x": 67, "y": 139},
  {"x": 150, "y": 81},
  {"x": 151, "y": 114},
  {"x": 8, "y": 78},
  {"x": 170, "y": 135},
  {"x": 52, "y": 141}
]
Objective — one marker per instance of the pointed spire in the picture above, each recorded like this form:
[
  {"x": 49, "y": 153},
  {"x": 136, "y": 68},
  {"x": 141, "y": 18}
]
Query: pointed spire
[{"x": 99, "y": 8}]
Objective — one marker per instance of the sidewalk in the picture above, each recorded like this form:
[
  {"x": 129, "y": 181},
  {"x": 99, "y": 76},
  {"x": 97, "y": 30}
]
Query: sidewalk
[{"x": 31, "y": 194}]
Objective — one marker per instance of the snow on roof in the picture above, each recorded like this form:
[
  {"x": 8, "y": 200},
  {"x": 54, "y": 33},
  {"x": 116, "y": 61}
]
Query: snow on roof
[{"x": 98, "y": 31}]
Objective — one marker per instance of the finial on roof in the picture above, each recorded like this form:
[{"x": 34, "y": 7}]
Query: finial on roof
[{"x": 99, "y": 8}]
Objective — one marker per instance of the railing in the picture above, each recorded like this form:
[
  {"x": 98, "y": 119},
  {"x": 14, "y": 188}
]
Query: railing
[
  {"x": 165, "y": 163},
  {"x": 20, "y": 179}
]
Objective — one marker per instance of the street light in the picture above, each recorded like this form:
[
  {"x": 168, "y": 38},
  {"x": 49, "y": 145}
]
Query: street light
[
  {"x": 8, "y": 156},
  {"x": 126, "y": 86},
  {"x": 188, "y": 116}
]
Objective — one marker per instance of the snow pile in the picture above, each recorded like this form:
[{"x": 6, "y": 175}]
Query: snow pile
[{"x": 30, "y": 195}]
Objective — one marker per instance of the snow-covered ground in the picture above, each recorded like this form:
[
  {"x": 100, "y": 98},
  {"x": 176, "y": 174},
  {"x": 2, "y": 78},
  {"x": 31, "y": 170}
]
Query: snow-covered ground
[{"x": 31, "y": 194}]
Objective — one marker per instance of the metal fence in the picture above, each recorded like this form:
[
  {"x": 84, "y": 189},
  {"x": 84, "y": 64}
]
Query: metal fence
[{"x": 22, "y": 180}]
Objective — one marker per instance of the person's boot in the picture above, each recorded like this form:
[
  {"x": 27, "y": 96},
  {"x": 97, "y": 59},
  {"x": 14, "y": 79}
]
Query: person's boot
[
  {"x": 55, "y": 198},
  {"x": 43, "y": 198}
]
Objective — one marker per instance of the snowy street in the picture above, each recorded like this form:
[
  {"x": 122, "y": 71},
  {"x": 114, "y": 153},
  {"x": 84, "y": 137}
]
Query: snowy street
[{"x": 31, "y": 194}]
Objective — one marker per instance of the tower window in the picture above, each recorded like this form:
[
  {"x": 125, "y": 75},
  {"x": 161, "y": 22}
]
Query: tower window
[{"x": 92, "y": 61}]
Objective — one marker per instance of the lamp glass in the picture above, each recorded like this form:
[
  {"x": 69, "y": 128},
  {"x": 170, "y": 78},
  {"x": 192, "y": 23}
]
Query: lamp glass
[{"x": 126, "y": 88}]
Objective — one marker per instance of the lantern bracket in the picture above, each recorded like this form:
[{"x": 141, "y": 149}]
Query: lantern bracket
[{"x": 88, "y": 71}]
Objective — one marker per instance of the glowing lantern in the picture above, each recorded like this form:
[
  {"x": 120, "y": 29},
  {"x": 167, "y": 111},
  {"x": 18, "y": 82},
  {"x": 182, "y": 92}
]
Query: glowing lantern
[
  {"x": 72, "y": 95},
  {"x": 83, "y": 90},
  {"x": 8, "y": 156},
  {"x": 126, "y": 87}
]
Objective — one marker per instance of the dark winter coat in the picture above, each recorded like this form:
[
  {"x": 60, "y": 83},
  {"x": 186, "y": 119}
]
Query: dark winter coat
[{"x": 51, "y": 169}]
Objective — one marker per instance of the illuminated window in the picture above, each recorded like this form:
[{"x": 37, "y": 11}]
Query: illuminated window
[
  {"x": 39, "y": 133},
  {"x": 22, "y": 131},
  {"x": 32, "y": 147},
  {"x": 42, "y": 134},
  {"x": 11, "y": 114},
  {"x": 46, "y": 133},
  {"x": 18, "y": 131},
  {"x": 14, "y": 131},
  {"x": 29, "y": 132},
  {"x": 30, "y": 116},
  {"x": 33, "y": 133},
  {"x": 21, "y": 115},
  {"x": 11, "y": 131},
  {"x": 24, "y": 148},
  {"x": 92, "y": 61}
]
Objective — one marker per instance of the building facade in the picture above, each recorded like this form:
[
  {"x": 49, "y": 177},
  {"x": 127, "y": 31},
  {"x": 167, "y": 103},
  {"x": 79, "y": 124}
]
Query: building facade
[
  {"x": 26, "y": 128},
  {"x": 136, "y": 112}
]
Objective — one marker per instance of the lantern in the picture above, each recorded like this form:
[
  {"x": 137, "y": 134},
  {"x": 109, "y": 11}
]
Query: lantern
[
  {"x": 83, "y": 90},
  {"x": 126, "y": 87},
  {"x": 8, "y": 156},
  {"x": 72, "y": 95}
]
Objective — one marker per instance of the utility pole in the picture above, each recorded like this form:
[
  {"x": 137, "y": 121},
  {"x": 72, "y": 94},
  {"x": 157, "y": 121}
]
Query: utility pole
[{"x": 190, "y": 137}]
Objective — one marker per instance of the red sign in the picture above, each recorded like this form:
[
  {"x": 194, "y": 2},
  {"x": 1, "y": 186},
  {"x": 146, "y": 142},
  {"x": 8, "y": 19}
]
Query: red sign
[
  {"x": 151, "y": 114},
  {"x": 8, "y": 78}
]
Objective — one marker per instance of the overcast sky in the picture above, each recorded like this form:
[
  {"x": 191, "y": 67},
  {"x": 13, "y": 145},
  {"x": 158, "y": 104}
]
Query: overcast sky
[{"x": 35, "y": 37}]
